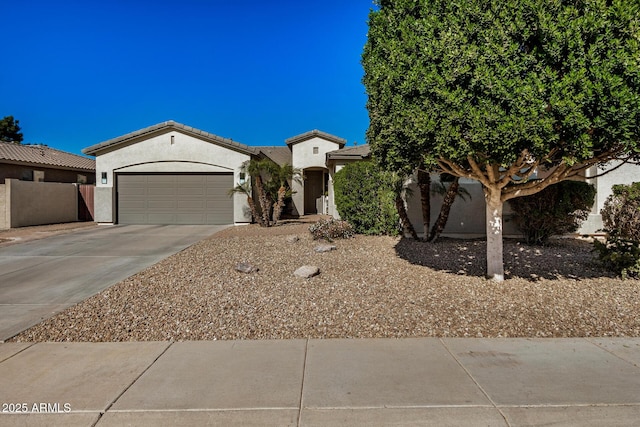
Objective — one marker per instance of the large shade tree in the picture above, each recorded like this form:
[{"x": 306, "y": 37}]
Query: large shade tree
[{"x": 499, "y": 90}]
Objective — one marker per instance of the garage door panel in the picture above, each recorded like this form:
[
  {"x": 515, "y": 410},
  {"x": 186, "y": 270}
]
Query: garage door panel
[
  {"x": 191, "y": 219},
  {"x": 189, "y": 192},
  {"x": 161, "y": 192},
  {"x": 175, "y": 199},
  {"x": 133, "y": 203},
  {"x": 187, "y": 205},
  {"x": 160, "y": 218},
  {"x": 162, "y": 205},
  {"x": 133, "y": 218}
]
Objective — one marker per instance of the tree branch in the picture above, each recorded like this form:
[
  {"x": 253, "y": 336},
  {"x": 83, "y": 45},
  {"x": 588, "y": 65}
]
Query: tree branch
[{"x": 480, "y": 176}]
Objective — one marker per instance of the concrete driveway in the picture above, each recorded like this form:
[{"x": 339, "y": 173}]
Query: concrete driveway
[{"x": 42, "y": 277}]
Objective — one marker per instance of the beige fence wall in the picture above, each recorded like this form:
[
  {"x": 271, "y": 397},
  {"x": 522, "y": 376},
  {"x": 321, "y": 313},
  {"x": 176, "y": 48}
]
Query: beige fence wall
[
  {"x": 35, "y": 203},
  {"x": 3, "y": 207}
]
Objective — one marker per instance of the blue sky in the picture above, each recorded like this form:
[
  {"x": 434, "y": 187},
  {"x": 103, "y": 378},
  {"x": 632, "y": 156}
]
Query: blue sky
[{"x": 77, "y": 73}]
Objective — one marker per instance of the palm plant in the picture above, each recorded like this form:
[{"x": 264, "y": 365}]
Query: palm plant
[
  {"x": 283, "y": 176},
  {"x": 245, "y": 189},
  {"x": 259, "y": 170}
]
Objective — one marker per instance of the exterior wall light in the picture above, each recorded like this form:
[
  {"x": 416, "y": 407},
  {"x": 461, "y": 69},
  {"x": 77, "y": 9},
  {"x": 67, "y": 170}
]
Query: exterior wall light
[{"x": 104, "y": 178}]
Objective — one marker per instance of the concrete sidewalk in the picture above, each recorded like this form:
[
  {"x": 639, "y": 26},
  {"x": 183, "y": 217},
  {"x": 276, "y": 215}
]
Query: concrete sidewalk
[{"x": 421, "y": 381}]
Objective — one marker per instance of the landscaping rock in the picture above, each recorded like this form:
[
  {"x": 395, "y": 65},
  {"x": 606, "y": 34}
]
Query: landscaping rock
[
  {"x": 292, "y": 239},
  {"x": 324, "y": 248},
  {"x": 307, "y": 271},
  {"x": 245, "y": 267}
]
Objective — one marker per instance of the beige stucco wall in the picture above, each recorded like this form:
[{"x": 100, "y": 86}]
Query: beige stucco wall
[
  {"x": 302, "y": 157},
  {"x": 162, "y": 153},
  {"x": 3, "y": 207},
  {"x": 36, "y": 203},
  {"x": 625, "y": 174},
  {"x": 466, "y": 218}
]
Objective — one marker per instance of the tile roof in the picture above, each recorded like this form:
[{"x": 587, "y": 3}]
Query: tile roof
[
  {"x": 167, "y": 126},
  {"x": 357, "y": 152},
  {"x": 45, "y": 156},
  {"x": 316, "y": 133},
  {"x": 280, "y": 155}
]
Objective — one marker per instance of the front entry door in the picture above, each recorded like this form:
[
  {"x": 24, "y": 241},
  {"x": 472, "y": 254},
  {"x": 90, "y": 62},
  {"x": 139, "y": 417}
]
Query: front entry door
[{"x": 313, "y": 189}]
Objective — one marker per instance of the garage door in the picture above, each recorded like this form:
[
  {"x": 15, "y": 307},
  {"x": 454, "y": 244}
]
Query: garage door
[{"x": 175, "y": 199}]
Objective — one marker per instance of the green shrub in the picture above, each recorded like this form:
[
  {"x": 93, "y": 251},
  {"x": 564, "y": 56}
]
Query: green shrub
[
  {"x": 621, "y": 212},
  {"x": 621, "y": 220},
  {"x": 619, "y": 255},
  {"x": 365, "y": 197},
  {"x": 330, "y": 229},
  {"x": 558, "y": 209}
]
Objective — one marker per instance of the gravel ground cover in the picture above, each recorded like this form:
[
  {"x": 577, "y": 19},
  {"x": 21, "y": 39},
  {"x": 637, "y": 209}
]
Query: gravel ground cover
[{"x": 368, "y": 287}]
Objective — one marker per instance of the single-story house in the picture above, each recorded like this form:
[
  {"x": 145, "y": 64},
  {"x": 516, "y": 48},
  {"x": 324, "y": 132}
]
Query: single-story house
[
  {"x": 40, "y": 163},
  {"x": 170, "y": 173}
]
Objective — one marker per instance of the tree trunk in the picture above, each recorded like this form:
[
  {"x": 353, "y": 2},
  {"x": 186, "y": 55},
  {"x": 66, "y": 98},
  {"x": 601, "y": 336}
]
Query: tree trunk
[
  {"x": 254, "y": 211},
  {"x": 407, "y": 227},
  {"x": 279, "y": 207},
  {"x": 495, "y": 262},
  {"x": 265, "y": 206},
  {"x": 443, "y": 216},
  {"x": 424, "y": 183}
]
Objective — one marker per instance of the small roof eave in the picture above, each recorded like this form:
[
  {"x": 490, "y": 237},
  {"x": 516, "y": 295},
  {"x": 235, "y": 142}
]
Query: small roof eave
[{"x": 313, "y": 134}]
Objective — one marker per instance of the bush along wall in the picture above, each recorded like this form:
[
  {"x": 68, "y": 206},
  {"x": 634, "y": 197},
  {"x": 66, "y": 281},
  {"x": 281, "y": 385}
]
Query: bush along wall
[
  {"x": 365, "y": 197},
  {"x": 558, "y": 209},
  {"x": 621, "y": 219}
]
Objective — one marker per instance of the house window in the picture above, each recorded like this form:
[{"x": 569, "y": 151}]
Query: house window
[
  {"x": 81, "y": 179},
  {"x": 27, "y": 175},
  {"x": 315, "y": 150}
]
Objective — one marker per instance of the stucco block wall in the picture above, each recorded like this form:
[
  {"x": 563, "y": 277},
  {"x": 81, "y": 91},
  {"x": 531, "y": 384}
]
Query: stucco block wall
[
  {"x": 625, "y": 174},
  {"x": 103, "y": 200},
  {"x": 466, "y": 218},
  {"x": 170, "y": 152},
  {"x": 36, "y": 203},
  {"x": 3, "y": 207}
]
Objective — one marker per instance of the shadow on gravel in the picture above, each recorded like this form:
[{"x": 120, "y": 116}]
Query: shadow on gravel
[{"x": 561, "y": 259}]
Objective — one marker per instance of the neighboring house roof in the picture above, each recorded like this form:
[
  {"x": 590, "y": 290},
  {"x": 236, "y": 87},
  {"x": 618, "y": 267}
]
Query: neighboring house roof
[
  {"x": 280, "y": 155},
  {"x": 168, "y": 126},
  {"x": 315, "y": 133},
  {"x": 358, "y": 152},
  {"x": 43, "y": 156}
]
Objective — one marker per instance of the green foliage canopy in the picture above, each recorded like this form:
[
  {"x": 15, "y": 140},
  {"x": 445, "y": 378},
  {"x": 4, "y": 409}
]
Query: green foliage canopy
[
  {"x": 502, "y": 83},
  {"x": 496, "y": 90}
]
